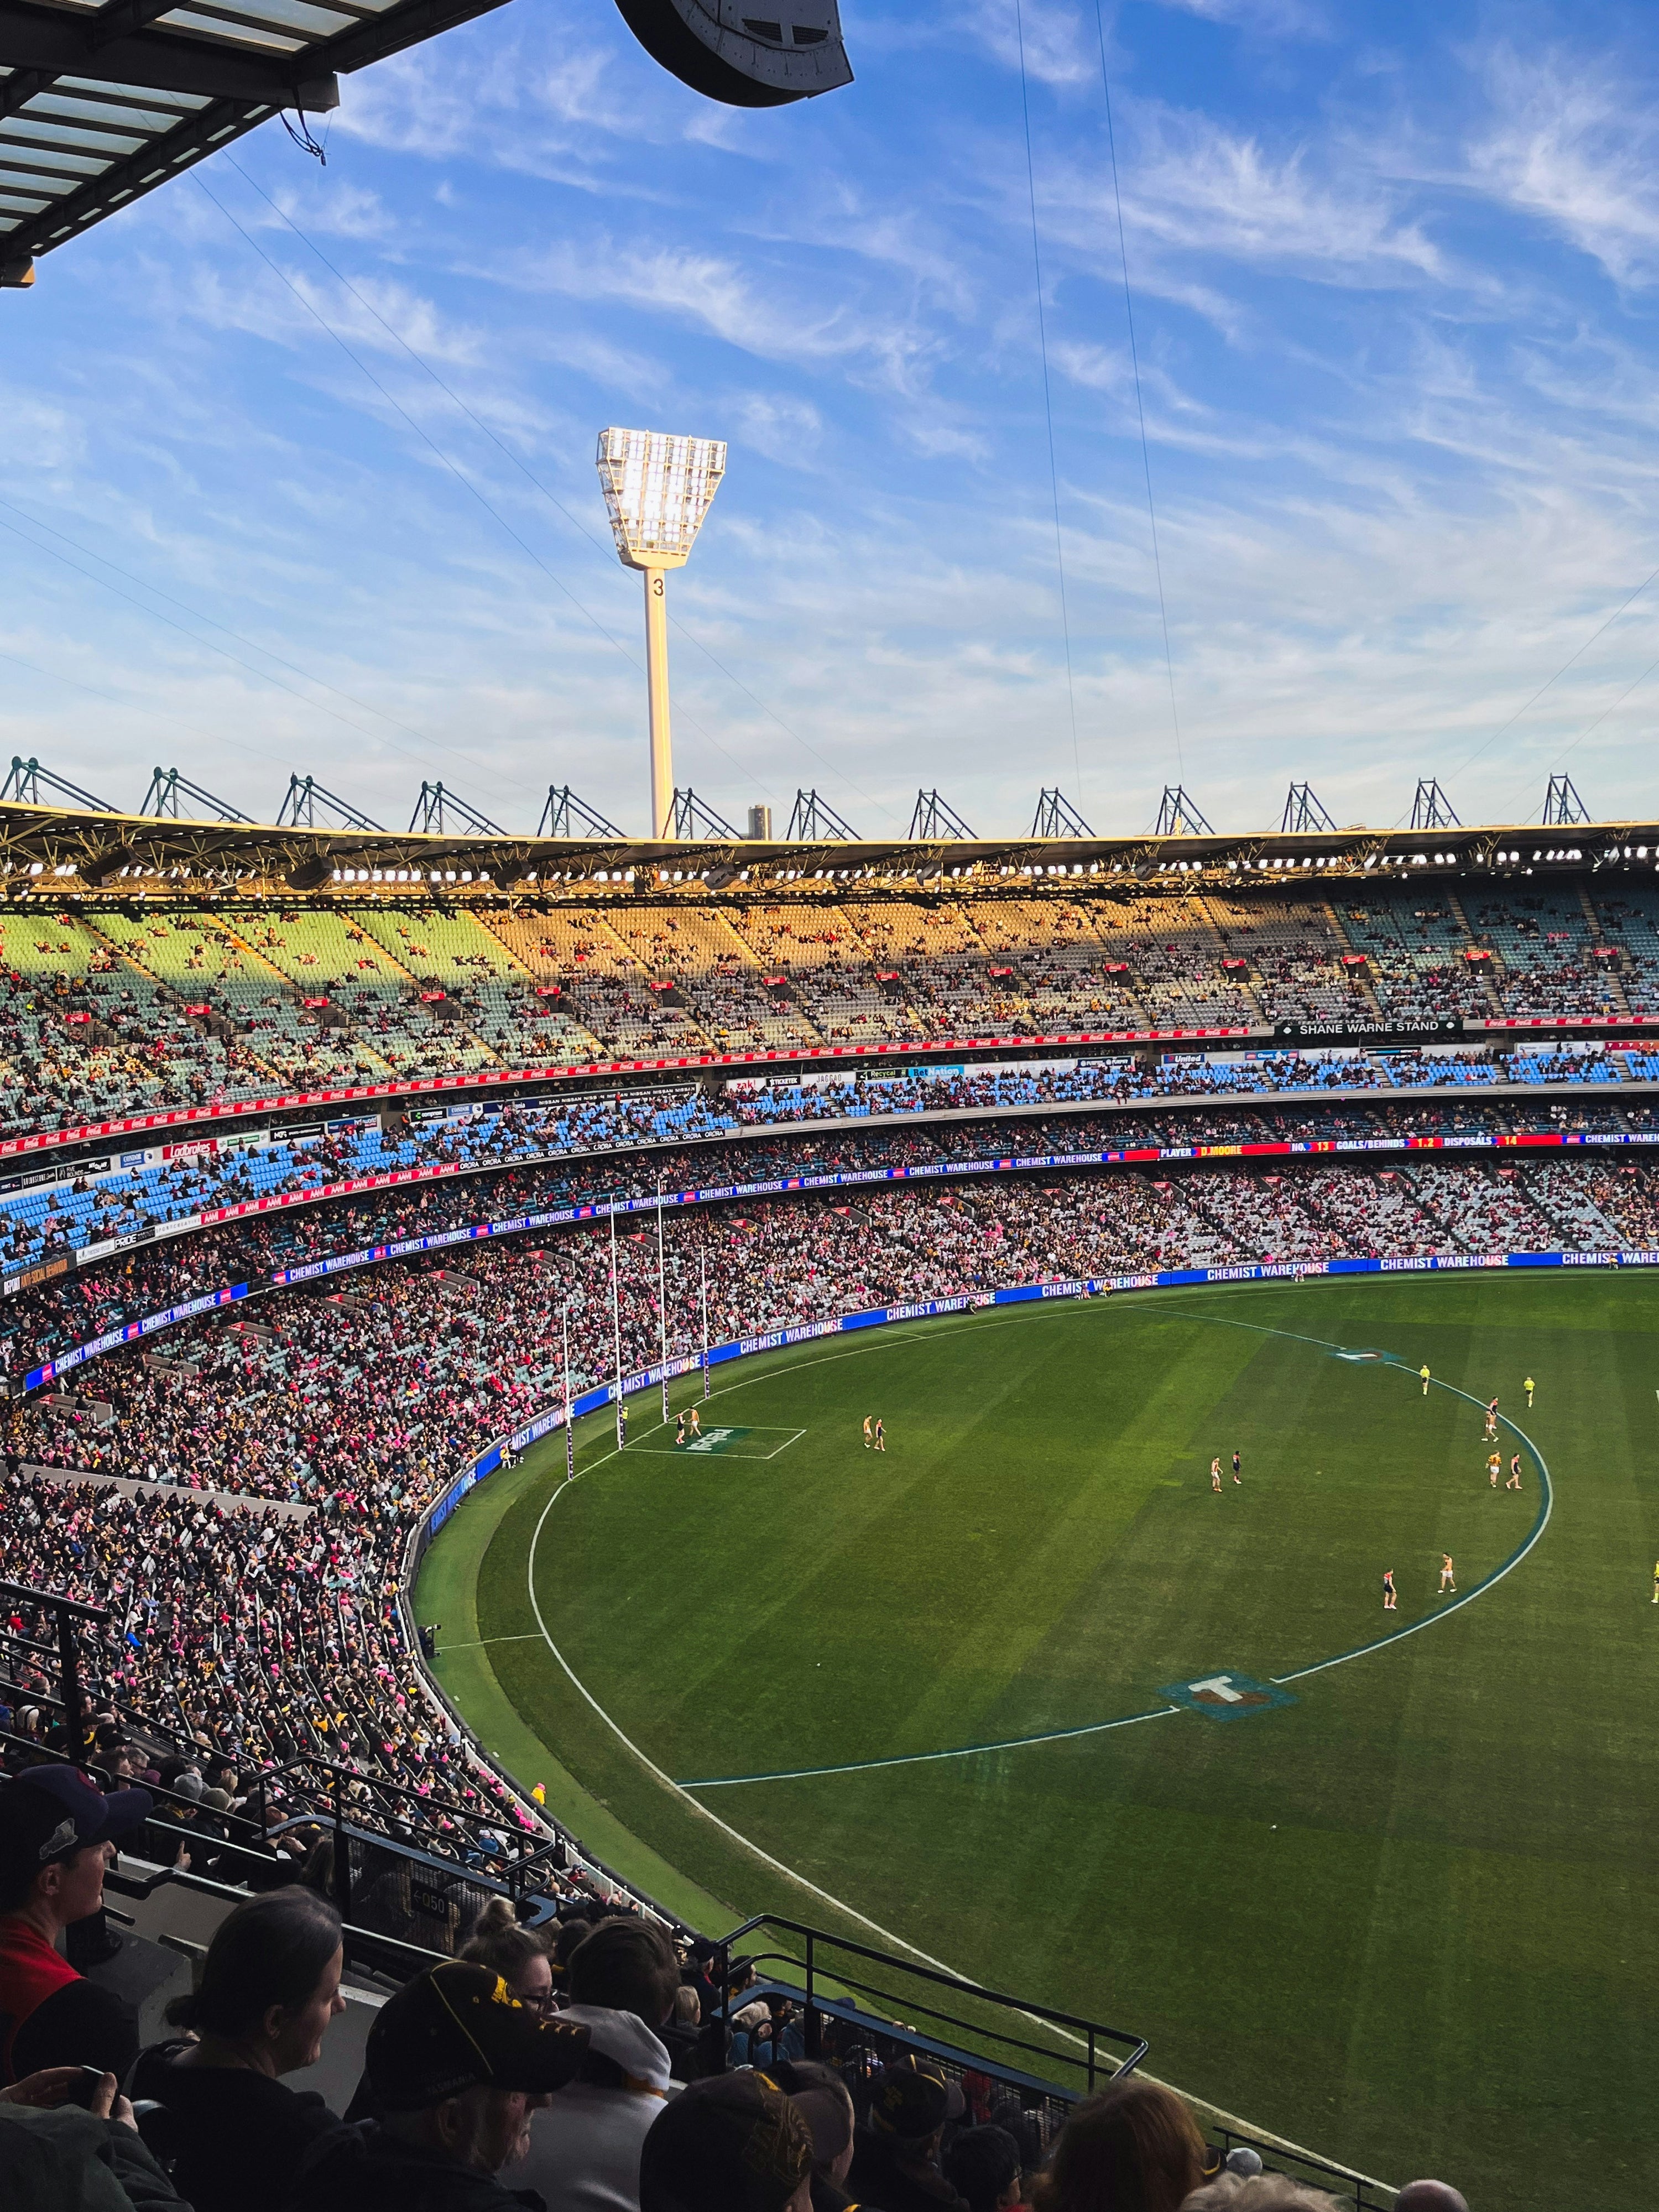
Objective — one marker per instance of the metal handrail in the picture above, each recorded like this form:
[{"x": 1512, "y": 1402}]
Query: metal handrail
[
  {"x": 411, "y": 1958},
  {"x": 851, "y": 2014},
  {"x": 1093, "y": 2031}
]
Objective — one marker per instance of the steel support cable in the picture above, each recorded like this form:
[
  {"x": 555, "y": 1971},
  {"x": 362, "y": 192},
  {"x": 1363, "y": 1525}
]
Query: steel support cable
[
  {"x": 1140, "y": 410},
  {"x": 156, "y": 615},
  {"x": 1612, "y": 709},
  {"x": 1047, "y": 403},
  {"x": 459, "y": 475},
  {"x": 530, "y": 476},
  {"x": 1570, "y": 662},
  {"x": 252, "y": 644}
]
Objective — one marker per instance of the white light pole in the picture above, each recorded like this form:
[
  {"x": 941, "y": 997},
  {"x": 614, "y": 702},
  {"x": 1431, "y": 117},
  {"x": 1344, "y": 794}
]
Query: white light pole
[{"x": 657, "y": 491}]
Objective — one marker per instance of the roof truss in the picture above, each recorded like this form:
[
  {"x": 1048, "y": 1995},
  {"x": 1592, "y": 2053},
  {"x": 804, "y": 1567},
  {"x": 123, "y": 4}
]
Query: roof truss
[{"x": 101, "y": 103}]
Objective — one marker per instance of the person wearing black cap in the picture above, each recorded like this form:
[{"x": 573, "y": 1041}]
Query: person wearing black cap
[
  {"x": 456, "y": 2066},
  {"x": 731, "y": 2143},
  {"x": 896, "y": 2154},
  {"x": 820, "y": 2096},
  {"x": 58, "y": 1836},
  {"x": 895, "y": 2159}
]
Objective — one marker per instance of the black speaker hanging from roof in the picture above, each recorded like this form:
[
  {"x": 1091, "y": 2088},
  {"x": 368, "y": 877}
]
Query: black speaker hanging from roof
[{"x": 748, "y": 53}]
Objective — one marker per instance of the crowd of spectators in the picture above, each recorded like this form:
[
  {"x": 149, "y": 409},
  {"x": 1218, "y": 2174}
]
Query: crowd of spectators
[
  {"x": 259, "y": 1638},
  {"x": 558, "y": 2066},
  {"x": 240, "y": 1493},
  {"x": 540, "y": 2069},
  {"x": 113, "y": 1012},
  {"x": 491, "y": 1165}
]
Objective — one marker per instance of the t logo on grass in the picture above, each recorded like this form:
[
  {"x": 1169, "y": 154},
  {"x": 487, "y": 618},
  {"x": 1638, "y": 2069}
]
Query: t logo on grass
[{"x": 1227, "y": 1697}]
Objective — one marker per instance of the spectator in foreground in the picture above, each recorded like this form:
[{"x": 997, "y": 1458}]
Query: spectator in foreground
[
  {"x": 1260, "y": 2192},
  {"x": 57, "y": 1834},
  {"x": 982, "y": 2165},
  {"x": 456, "y": 2066},
  {"x": 896, "y": 2155},
  {"x": 523, "y": 1963},
  {"x": 1134, "y": 2148},
  {"x": 732, "y": 2143},
  {"x": 585, "y": 2150},
  {"x": 58, "y": 2156},
  {"x": 1011, "y": 2117},
  {"x": 820, "y": 2096},
  {"x": 1430, "y": 2196},
  {"x": 270, "y": 1987},
  {"x": 681, "y": 2034}
]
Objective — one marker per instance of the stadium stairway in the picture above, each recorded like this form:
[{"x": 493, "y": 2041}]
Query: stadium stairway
[
  {"x": 1610, "y": 975},
  {"x": 1364, "y": 990}
]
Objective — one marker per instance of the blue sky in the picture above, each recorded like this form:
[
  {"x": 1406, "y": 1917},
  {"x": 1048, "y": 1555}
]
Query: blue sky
[{"x": 1393, "y": 273}]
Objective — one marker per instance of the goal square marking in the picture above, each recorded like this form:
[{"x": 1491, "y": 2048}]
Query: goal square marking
[{"x": 723, "y": 1439}]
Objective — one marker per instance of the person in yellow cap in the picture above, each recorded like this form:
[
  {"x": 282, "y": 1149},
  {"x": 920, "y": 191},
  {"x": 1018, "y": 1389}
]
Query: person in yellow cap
[
  {"x": 1528, "y": 1386},
  {"x": 1424, "y": 1372}
]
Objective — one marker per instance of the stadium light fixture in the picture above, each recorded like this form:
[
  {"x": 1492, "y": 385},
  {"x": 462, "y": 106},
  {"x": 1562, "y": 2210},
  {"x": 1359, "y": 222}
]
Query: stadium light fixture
[{"x": 658, "y": 487}]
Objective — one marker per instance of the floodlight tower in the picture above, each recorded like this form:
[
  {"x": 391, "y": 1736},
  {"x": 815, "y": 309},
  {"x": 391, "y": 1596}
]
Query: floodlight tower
[{"x": 657, "y": 491}]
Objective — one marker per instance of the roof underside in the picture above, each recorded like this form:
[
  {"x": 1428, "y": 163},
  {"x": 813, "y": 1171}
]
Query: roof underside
[
  {"x": 61, "y": 850},
  {"x": 99, "y": 103}
]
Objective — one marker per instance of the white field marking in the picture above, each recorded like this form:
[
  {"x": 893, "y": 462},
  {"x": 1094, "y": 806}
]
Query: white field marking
[
  {"x": 1429, "y": 1619},
  {"x": 1217, "y": 2114},
  {"x": 927, "y": 1758},
  {"x": 785, "y": 1445},
  {"x": 482, "y": 1644}
]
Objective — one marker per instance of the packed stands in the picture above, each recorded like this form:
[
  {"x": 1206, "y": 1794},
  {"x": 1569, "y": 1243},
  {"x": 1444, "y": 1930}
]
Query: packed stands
[
  {"x": 87, "y": 1204},
  {"x": 1173, "y": 953},
  {"x": 1626, "y": 921},
  {"x": 495, "y": 1163},
  {"x": 121, "y": 1007},
  {"x": 242, "y": 1489}
]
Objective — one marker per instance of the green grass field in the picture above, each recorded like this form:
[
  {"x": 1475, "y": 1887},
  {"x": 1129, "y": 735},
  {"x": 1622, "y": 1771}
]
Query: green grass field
[{"x": 1405, "y": 1920}]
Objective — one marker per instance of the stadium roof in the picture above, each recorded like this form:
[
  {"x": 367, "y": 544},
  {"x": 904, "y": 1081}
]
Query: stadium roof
[
  {"x": 101, "y": 100},
  {"x": 67, "y": 850}
]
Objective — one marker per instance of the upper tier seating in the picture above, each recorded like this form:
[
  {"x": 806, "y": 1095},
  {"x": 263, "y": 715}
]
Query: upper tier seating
[{"x": 122, "y": 1011}]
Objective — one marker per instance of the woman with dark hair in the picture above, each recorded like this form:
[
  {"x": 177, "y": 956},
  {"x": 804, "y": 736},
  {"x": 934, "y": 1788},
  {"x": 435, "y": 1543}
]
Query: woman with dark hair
[
  {"x": 1134, "y": 2148},
  {"x": 270, "y": 1986},
  {"x": 518, "y": 1958}
]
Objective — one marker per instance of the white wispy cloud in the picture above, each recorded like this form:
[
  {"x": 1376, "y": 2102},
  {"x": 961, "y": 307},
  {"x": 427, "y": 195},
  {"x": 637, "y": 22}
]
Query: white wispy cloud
[
  {"x": 1269, "y": 18},
  {"x": 1199, "y": 186},
  {"x": 774, "y": 321},
  {"x": 1573, "y": 140},
  {"x": 1401, "y": 442},
  {"x": 1061, "y": 46}
]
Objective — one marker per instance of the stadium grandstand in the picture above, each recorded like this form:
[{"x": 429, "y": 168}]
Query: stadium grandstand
[{"x": 308, "y": 1133}]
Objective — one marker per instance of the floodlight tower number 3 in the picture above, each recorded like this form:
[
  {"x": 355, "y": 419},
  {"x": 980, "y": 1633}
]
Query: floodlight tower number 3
[{"x": 658, "y": 487}]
